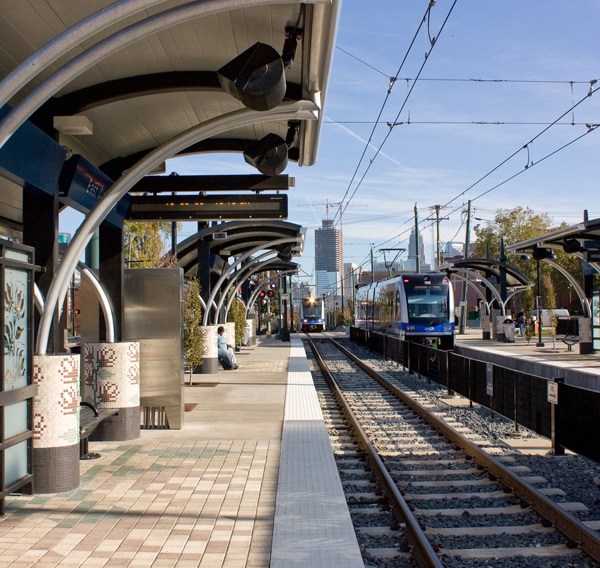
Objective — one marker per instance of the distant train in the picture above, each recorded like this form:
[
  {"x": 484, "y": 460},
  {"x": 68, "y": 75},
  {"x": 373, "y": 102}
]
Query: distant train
[
  {"x": 415, "y": 307},
  {"x": 312, "y": 314}
]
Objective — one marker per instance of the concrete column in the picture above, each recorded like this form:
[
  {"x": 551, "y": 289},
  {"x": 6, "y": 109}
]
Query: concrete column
[
  {"x": 210, "y": 363},
  {"x": 112, "y": 380},
  {"x": 585, "y": 336},
  {"x": 56, "y": 423},
  {"x": 251, "y": 326},
  {"x": 485, "y": 326}
]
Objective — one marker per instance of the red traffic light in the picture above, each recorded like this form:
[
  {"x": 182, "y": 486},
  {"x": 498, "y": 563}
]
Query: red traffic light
[
  {"x": 270, "y": 293},
  {"x": 261, "y": 294}
]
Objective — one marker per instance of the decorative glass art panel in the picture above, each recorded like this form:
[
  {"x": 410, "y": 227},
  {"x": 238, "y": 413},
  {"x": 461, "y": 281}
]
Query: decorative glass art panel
[
  {"x": 15, "y": 419},
  {"x": 595, "y": 321},
  {"x": 17, "y": 255},
  {"x": 15, "y": 328},
  {"x": 16, "y": 463}
]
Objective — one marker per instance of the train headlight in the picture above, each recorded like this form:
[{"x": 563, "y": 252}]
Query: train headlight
[
  {"x": 448, "y": 327},
  {"x": 410, "y": 328}
]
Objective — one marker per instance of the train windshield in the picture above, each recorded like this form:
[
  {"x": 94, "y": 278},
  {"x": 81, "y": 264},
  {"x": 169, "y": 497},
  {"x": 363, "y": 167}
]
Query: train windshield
[
  {"x": 427, "y": 303},
  {"x": 311, "y": 309}
]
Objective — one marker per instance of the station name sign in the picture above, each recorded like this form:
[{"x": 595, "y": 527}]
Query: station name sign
[{"x": 82, "y": 186}]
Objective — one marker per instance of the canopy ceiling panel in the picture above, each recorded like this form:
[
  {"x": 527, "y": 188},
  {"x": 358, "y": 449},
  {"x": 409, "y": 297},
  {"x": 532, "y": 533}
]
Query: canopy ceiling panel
[{"x": 124, "y": 127}]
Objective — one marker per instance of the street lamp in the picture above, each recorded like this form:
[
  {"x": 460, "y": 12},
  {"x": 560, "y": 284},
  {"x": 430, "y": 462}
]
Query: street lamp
[{"x": 538, "y": 254}]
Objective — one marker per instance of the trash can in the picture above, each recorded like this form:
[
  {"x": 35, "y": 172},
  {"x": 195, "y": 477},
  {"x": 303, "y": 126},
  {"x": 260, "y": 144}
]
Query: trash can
[{"x": 509, "y": 332}]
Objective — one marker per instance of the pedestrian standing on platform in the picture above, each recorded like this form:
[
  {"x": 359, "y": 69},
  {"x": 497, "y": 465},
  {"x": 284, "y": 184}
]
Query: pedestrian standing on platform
[
  {"x": 225, "y": 351},
  {"x": 520, "y": 323}
]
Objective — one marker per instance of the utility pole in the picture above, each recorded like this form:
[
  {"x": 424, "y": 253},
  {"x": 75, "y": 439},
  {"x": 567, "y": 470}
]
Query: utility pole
[
  {"x": 437, "y": 240},
  {"x": 372, "y": 266},
  {"x": 463, "y": 303},
  {"x": 418, "y": 252}
]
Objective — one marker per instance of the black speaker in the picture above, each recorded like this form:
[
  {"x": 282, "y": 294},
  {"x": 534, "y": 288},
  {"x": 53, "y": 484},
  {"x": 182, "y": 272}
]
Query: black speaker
[
  {"x": 256, "y": 77},
  {"x": 269, "y": 155}
]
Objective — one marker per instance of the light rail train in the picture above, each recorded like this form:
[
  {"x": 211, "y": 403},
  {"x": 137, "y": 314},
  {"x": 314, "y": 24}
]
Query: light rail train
[
  {"x": 312, "y": 314},
  {"x": 414, "y": 307}
]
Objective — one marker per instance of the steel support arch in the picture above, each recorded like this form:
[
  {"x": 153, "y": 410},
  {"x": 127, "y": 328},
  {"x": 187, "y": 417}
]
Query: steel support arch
[
  {"x": 237, "y": 119},
  {"x": 240, "y": 259},
  {"x": 107, "y": 311},
  {"x": 585, "y": 303},
  {"x": 85, "y": 271},
  {"x": 67, "y": 40},
  {"x": 234, "y": 279},
  {"x": 250, "y": 270},
  {"x": 262, "y": 287},
  {"x": 100, "y": 51},
  {"x": 486, "y": 283},
  {"x": 477, "y": 290}
]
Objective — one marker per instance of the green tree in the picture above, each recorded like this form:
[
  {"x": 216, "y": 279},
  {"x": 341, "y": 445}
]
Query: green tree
[
  {"x": 516, "y": 225},
  {"x": 146, "y": 244},
  {"x": 193, "y": 342},
  {"x": 237, "y": 314}
]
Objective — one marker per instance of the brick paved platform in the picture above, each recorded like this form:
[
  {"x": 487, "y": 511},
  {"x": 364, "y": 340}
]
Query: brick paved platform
[{"x": 203, "y": 496}]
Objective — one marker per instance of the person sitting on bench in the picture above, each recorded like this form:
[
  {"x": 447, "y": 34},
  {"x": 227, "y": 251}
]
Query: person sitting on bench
[{"x": 225, "y": 351}]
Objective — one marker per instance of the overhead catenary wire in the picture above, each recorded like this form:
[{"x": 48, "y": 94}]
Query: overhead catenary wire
[
  {"x": 426, "y": 58},
  {"x": 392, "y": 81}
]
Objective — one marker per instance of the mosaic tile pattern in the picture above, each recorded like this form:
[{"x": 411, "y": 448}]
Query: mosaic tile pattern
[
  {"x": 209, "y": 333},
  {"x": 167, "y": 504},
  {"x": 56, "y": 406},
  {"x": 112, "y": 374},
  {"x": 230, "y": 332}
]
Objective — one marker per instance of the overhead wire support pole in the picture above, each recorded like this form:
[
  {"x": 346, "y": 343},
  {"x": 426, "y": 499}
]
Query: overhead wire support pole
[
  {"x": 417, "y": 251},
  {"x": 463, "y": 303},
  {"x": 437, "y": 219}
]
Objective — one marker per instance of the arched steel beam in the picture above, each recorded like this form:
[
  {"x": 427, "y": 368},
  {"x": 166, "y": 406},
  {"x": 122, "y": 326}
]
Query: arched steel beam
[
  {"x": 585, "y": 303},
  {"x": 486, "y": 283},
  {"x": 100, "y": 294},
  {"x": 101, "y": 94},
  {"x": 514, "y": 293},
  {"x": 107, "y": 312},
  {"x": 238, "y": 261},
  {"x": 114, "y": 168},
  {"x": 238, "y": 279},
  {"x": 121, "y": 39},
  {"x": 236, "y": 276},
  {"x": 67, "y": 40},
  {"x": 262, "y": 285},
  {"x": 75, "y": 249},
  {"x": 477, "y": 290}
]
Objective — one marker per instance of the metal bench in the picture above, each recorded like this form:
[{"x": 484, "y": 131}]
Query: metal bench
[
  {"x": 89, "y": 419},
  {"x": 568, "y": 328}
]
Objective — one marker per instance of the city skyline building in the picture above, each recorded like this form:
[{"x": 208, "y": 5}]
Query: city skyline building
[{"x": 329, "y": 258}]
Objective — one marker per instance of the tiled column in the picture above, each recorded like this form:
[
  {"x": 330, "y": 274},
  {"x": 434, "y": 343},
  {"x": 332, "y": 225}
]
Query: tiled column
[
  {"x": 230, "y": 333},
  {"x": 112, "y": 380},
  {"x": 210, "y": 358},
  {"x": 56, "y": 423}
]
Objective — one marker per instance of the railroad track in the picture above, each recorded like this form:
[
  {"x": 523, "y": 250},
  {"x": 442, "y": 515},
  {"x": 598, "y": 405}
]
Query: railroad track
[{"x": 457, "y": 505}]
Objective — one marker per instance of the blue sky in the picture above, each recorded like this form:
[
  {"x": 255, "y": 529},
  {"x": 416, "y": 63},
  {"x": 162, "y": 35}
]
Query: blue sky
[{"x": 438, "y": 153}]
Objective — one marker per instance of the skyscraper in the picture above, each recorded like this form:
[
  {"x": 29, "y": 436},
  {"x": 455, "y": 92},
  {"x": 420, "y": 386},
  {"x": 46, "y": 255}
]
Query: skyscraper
[
  {"x": 329, "y": 258},
  {"x": 411, "y": 263}
]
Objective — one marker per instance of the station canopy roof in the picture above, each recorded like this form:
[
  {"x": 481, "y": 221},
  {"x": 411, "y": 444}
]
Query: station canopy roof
[
  {"x": 235, "y": 238},
  {"x": 581, "y": 239},
  {"x": 137, "y": 97},
  {"x": 490, "y": 269}
]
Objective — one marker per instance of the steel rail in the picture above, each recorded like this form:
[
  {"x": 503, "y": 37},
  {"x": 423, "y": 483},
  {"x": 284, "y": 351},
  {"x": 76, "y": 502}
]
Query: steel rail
[
  {"x": 573, "y": 529},
  {"x": 421, "y": 547}
]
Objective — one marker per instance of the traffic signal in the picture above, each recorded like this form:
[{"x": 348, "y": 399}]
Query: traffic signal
[
  {"x": 270, "y": 293},
  {"x": 273, "y": 286},
  {"x": 262, "y": 293}
]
